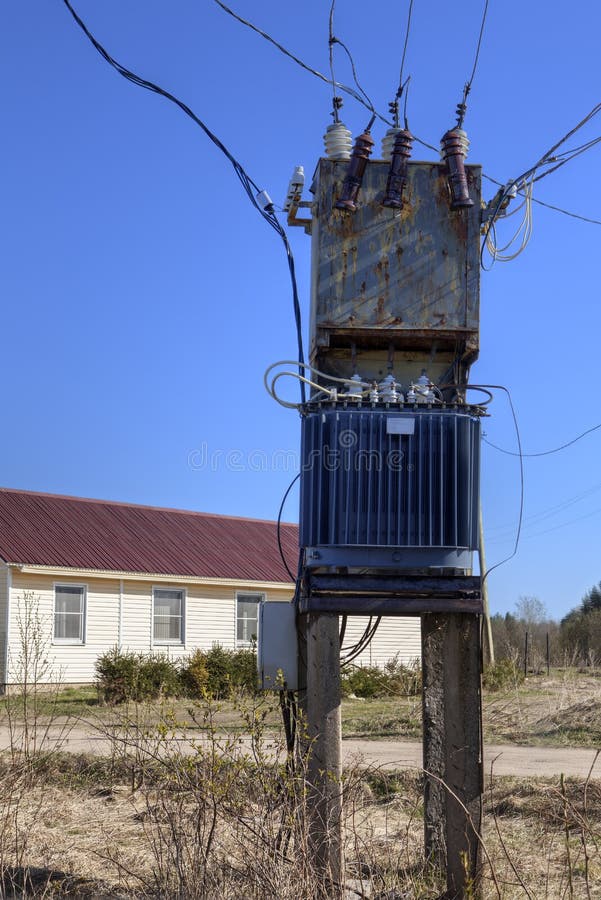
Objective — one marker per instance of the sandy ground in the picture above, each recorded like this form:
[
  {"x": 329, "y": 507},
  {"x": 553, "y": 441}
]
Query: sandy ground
[{"x": 506, "y": 759}]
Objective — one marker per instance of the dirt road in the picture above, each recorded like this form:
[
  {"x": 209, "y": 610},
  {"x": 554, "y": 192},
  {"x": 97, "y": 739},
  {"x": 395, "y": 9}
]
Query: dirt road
[{"x": 509, "y": 759}]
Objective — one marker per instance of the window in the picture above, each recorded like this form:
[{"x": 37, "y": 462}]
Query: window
[
  {"x": 69, "y": 613},
  {"x": 247, "y": 612},
  {"x": 167, "y": 616}
]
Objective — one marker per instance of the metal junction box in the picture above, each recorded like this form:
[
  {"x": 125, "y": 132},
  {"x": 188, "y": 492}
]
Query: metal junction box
[
  {"x": 390, "y": 489},
  {"x": 410, "y": 276},
  {"x": 277, "y": 650}
]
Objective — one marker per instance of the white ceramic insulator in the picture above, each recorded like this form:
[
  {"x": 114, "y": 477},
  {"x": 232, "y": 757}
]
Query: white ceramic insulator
[
  {"x": 465, "y": 143},
  {"x": 355, "y": 386},
  {"x": 388, "y": 143},
  {"x": 338, "y": 141}
]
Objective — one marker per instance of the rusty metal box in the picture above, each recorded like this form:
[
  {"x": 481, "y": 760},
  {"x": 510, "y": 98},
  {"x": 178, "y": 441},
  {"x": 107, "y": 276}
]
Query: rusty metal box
[{"x": 411, "y": 276}]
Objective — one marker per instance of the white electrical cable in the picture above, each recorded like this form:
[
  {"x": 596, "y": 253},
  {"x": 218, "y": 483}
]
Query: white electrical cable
[
  {"x": 524, "y": 231},
  {"x": 330, "y": 392}
]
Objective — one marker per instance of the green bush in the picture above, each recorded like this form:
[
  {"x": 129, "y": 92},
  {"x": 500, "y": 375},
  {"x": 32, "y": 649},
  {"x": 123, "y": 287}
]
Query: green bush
[
  {"x": 194, "y": 674},
  {"x": 503, "y": 675},
  {"x": 393, "y": 680},
  {"x": 124, "y": 675},
  {"x": 117, "y": 676}
]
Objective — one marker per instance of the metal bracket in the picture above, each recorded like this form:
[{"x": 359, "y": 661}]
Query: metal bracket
[{"x": 390, "y": 595}]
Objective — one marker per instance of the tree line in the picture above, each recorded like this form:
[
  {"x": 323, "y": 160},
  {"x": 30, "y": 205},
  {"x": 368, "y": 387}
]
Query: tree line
[{"x": 530, "y": 637}]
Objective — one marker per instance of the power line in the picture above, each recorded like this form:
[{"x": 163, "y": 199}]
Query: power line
[
  {"x": 266, "y": 209},
  {"x": 462, "y": 107},
  {"x": 535, "y": 519},
  {"x": 279, "y": 526},
  {"x": 343, "y": 87},
  {"x": 544, "y": 452},
  {"x": 500, "y": 387},
  {"x": 558, "y": 209}
]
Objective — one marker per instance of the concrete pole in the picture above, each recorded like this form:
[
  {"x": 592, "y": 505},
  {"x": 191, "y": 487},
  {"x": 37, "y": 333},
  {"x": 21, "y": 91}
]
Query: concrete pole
[
  {"x": 324, "y": 766},
  {"x": 452, "y": 715},
  {"x": 482, "y": 563}
]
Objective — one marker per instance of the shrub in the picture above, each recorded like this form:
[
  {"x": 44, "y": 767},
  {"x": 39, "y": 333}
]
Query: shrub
[
  {"x": 504, "y": 674},
  {"x": 394, "y": 680},
  {"x": 219, "y": 671},
  {"x": 117, "y": 675},
  {"x": 124, "y": 675},
  {"x": 194, "y": 674}
]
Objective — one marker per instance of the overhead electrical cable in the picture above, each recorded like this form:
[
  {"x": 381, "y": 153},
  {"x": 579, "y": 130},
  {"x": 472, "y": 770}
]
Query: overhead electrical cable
[
  {"x": 351, "y": 92},
  {"x": 279, "y": 527},
  {"x": 266, "y": 209},
  {"x": 343, "y": 87},
  {"x": 332, "y": 40},
  {"x": 500, "y": 387},
  {"x": 558, "y": 209},
  {"x": 544, "y": 452},
  {"x": 462, "y": 107},
  {"x": 548, "y": 513},
  {"x": 546, "y": 159}
]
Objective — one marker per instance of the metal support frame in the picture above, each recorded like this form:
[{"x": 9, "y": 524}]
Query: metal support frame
[{"x": 388, "y": 594}]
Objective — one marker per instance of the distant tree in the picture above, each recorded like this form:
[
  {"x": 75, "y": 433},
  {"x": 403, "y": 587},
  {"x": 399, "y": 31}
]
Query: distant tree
[
  {"x": 580, "y": 630},
  {"x": 531, "y": 611}
]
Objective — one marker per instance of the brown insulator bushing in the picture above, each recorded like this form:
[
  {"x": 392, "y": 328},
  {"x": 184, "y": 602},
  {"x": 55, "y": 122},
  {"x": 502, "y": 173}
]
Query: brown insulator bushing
[
  {"x": 397, "y": 174},
  {"x": 354, "y": 176},
  {"x": 454, "y": 148}
]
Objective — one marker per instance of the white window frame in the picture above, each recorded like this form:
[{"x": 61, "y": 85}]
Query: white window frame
[
  {"x": 73, "y": 642},
  {"x": 238, "y": 644},
  {"x": 182, "y": 639}
]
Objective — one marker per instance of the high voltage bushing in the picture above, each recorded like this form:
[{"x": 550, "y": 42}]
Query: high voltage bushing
[
  {"x": 397, "y": 174},
  {"x": 454, "y": 146},
  {"x": 354, "y": 176}
]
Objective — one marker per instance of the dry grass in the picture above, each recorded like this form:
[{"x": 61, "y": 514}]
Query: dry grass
[{"x": 104, "y": 828}]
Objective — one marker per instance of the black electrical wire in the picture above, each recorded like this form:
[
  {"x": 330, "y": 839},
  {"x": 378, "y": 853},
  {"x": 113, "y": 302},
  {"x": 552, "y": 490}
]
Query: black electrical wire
[
  {"x": 279, "y": 527},
  {"x": 364, "y": 642},
  {"x": 368, "y": 102},
  {"x": 343, "y": 87},
  {"x": 544, "y": 452},
  {"x": 545, "y": 160},
  {"x": 250, "y": 187},
  {"x": 558, "y": 209},
  {"x": 500, "y": 387},
  {"x": 462, "y": 107},
  {"x": 335, "y": 105}
]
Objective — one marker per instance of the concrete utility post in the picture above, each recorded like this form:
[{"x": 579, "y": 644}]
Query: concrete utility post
[{"x": 390, "y": 468}]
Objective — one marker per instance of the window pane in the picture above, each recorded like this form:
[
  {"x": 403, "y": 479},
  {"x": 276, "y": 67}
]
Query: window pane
[
  {"x": 167, "y": 628},
  {"x": 168, "y": 615},
  {"x": 68, "y": 612},
  {"x": 248, "y": 605}
]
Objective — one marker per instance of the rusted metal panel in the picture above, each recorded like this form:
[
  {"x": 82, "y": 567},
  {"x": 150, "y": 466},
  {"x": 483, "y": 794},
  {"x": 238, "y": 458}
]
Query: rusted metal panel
[{"x": 409, "y": 274}]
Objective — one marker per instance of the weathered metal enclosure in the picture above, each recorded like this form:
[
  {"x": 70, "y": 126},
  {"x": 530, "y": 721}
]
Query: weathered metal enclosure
[
  {"x": 410, "y": 277},
  {"x": 389, "y": 489}
]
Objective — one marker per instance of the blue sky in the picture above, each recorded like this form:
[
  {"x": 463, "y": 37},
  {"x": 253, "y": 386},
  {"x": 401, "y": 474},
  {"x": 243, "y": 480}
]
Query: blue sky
[{"x": 144, "y": 296}]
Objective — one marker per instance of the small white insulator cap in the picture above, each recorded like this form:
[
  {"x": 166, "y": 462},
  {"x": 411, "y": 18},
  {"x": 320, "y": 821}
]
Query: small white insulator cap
[
  {"x": 295, "y": 188},
  {"x": 423, "y": 379},
  {"x": 338, "y": 141},
  {"x": 355, "y": 386},
  {"x": 388, "y": 142}
]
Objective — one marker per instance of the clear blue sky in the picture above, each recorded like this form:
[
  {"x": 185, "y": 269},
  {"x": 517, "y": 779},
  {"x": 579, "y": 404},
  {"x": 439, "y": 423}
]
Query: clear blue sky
[{"x": 144, "y": 296}]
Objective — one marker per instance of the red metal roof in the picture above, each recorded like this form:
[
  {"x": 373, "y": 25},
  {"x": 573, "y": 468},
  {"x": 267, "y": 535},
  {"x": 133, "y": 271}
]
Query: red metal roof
[{"x": 52, "y": 530}]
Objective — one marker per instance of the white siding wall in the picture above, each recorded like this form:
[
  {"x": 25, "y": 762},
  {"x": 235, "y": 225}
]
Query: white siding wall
[
  {"x": 396, "y": 635},
  {"x": 69, "y": 663},
  {"x": 210, "y": 618},
  {"x": 4, "y": 582}
]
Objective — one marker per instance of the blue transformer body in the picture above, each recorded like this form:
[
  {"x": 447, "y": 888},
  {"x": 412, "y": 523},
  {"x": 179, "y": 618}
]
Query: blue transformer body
[{"x": 389, "y": 488}]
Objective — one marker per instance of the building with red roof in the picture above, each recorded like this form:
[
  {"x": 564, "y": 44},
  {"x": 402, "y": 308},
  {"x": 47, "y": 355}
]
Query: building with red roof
[{"x": 101, "y": 574}]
